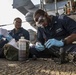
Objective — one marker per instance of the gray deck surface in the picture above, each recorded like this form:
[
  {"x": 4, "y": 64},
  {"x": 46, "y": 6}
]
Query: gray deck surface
[{"x": 38, "y": 67}]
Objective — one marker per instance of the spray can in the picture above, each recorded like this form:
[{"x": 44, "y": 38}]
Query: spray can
[{"x": 23, "y": 52}]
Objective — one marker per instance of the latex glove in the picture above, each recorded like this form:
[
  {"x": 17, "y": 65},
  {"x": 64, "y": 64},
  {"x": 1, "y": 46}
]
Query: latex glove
[
  {"x": 53, "y": 42},
  {"x": 1, "y": 37},
  {"x": 8, "y": 37},
  {"x": 39, "y": 47}
]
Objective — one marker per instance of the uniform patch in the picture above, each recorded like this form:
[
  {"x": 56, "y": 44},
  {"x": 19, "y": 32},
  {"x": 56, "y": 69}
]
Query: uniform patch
[
  {"x": 61, "y": 17},
  {"x": 58, "y": 30}
]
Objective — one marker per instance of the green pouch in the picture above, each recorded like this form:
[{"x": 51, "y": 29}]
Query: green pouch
[{"x": 10, "y": 52}]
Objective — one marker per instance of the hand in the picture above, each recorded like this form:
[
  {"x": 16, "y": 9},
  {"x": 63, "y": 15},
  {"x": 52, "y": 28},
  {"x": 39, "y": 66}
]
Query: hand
[
  {"x": 39, "y": 47},
  {"x": 53, "y": 42},
  {"x": 8, "y": 37}
]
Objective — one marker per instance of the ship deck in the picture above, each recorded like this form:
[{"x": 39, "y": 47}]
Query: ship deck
[{"x": 36, "y": 67}]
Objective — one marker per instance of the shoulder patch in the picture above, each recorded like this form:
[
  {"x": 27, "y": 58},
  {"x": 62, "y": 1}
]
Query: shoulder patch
[{"x": 60, "y": 16}]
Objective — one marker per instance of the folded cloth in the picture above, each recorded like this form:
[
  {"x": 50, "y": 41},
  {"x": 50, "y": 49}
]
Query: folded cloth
[
  {"x": 3, "y": 32},
  {"x": 13, "y": 43},
  {"x": 8, "y": 37}
]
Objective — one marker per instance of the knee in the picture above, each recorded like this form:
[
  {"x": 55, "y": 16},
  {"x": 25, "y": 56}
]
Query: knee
[
  {"x": 32, "y": 49},
  {"x": 2, "y": 43}
]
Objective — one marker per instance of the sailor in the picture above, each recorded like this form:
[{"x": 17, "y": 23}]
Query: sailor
[
  {"x": 16, "y": 34},
  {"x": 54, "y": 33},
  {"x": 18, "y": 31},
  {"x": 5, "y": 37}
]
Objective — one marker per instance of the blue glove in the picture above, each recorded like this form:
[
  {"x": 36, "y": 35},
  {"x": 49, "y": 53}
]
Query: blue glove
[
  {"x": 8, "y": 37},
  {"x": 39, "y": 47},
  {"x": 1, "y": 37},
  {"x": 53, "y": 42}
]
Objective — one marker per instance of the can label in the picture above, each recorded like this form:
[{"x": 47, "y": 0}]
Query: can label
[
  {"x": 22, "y": 46},
  {"x": 22, "y": 55}
]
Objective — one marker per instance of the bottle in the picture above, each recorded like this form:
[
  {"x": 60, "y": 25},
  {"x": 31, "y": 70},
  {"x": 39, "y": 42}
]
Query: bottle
[{"x": 23, "y": 49}]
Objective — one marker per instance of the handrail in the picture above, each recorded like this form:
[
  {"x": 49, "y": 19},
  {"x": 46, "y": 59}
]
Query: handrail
[{"x": 10, "y": 24}]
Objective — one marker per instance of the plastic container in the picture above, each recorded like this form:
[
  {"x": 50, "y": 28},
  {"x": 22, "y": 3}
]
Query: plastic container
[{"x": 23, "y": 49}]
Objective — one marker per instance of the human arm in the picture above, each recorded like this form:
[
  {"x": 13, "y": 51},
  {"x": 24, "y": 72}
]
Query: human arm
[
  {"x": 4, "y": 32},
  {"x": 60, "y": 43},
  {"x": 1, "y": 37},
  {"x": 40, "y": 40},
  {"x": 40, "y": 36},
  {"x": 69, "y": 26},
  {"x": 70, "y": 39}
]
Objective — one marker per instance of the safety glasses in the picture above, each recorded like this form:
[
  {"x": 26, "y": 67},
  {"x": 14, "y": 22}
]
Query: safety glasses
[{"x": 39, "y": 21}]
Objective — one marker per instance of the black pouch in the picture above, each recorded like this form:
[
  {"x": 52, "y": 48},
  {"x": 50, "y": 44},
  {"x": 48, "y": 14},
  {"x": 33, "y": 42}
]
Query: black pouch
[
  {"x": 2, "y": 43},
  {"x": 61, "y": 55},
  {"x": 66, "y": 56}
]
